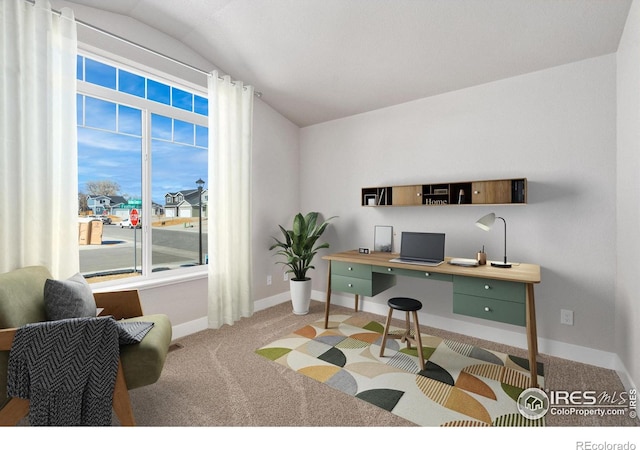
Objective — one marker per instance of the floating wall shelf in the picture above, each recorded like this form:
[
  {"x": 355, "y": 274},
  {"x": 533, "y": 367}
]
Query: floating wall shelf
[{"x": 486, "y": 192}]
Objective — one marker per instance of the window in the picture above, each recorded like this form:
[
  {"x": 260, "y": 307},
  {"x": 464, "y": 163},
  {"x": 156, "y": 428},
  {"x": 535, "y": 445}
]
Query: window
[{"x": 142, "y": 144}]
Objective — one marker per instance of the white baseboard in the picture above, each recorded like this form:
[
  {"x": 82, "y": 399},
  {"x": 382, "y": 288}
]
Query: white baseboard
[
  {"x": 272, "y": 301},
  {"x": 624, "y": 375},
  {"x": 201, "y": 324},
  {"x": 187, "y": 328},
  {"x": 549, "y": 347},
  {"x": 518, "y": 339}
]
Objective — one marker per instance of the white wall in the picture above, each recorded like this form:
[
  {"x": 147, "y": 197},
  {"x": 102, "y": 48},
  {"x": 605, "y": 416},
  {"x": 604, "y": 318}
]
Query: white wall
[
  {"x": 276, "y": 196},
  {"x": 141, "y": 34},
  {"x": 627, "y": 317},
  {"x": 555, "y": 127}
]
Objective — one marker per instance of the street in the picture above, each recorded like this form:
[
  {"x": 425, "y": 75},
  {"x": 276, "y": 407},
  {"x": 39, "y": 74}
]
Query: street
[{"x": 173, "y": 247}]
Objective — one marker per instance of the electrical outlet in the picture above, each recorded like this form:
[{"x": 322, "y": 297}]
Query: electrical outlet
[
  {"x": 285, "y": 277},
  {"x": 268, "y": 280},
  {"x": 566, "y": 317}
]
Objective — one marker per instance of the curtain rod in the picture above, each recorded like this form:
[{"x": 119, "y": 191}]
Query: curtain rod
[{"x": 141, "y": 47}]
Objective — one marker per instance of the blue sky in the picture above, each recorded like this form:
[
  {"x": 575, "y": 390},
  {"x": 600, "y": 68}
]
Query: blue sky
[{"x": 110, "y": 141}]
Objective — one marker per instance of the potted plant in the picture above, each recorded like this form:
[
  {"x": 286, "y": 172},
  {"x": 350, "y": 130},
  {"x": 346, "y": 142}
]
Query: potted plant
[{"x": 298, "y": 247}]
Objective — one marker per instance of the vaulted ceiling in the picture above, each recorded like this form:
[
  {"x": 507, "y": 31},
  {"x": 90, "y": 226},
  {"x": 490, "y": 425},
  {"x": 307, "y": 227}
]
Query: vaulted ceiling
[{"x": 319, "y": 60}]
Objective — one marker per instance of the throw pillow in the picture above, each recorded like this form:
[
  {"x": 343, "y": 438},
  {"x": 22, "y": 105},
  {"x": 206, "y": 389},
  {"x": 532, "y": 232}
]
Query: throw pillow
[{"x": 68, "y": 299}]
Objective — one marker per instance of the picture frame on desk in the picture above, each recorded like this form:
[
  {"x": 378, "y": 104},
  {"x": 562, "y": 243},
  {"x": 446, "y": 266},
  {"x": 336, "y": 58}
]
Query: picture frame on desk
[{"x": 383, "y": 238}]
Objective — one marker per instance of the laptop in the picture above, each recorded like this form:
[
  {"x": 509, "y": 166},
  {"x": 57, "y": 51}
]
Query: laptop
[{"x": 426, "y": 249}]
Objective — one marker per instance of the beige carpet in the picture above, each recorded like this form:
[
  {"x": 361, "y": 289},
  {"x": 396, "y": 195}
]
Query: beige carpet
[{"x": 215, "y": 378}]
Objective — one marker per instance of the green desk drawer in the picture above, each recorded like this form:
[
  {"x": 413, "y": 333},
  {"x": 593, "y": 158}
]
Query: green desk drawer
[
  {"x": 426, "y": 275},
  {"x": 497, "y": 289},
  {"x": 360, "y": 286},
  {"x": 351, "y": 270},
  {"x": 490, "y": 309}
]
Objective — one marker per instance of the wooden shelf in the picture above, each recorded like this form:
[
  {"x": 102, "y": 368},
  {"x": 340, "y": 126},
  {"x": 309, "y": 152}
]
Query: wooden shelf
[{"x": 484, "y": 192}]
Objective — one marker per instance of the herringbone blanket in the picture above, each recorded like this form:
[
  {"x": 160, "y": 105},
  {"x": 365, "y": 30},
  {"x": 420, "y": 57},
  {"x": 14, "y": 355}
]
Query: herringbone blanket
[
  {"x": 67, "y": 369},
  {"x": 133, "y": 332}
]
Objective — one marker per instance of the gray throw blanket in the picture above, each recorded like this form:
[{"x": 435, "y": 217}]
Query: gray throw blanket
[
  {"x": 67, "y": 368},
  {"x": 133, "y": 332}
]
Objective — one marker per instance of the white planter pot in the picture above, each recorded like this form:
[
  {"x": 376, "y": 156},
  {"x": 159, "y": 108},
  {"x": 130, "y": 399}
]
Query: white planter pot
[{"x": 300, "y": 296}]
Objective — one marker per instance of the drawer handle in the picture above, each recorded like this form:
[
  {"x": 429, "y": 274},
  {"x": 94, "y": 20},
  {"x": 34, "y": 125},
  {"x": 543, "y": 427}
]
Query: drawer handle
[
  {"x": 350, "y": 285},
  {"x": 389, "y": 269},
  {"x": 426, "y": 274},
  {"x": 487, "y": 287},
  {"x": 349, "y": 268},
  {"x": 487, "y": 309},
  {"x": 476, "y": 192}
]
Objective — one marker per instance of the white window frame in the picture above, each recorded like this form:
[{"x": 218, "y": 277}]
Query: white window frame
[{"x": 148, "y": 278}]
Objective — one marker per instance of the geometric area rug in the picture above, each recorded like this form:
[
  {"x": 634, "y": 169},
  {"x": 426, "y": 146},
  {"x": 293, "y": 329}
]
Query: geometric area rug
[{"x": 461, "y": 385}]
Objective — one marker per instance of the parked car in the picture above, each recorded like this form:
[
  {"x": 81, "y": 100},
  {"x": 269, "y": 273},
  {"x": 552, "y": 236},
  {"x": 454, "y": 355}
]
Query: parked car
[
  {"x": 105, "y": 219},
  {"x": 126, "y": 223}
]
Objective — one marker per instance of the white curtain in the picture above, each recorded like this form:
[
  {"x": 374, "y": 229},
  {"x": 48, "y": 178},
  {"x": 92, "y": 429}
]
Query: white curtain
[
  {"x": 38, "y": 152},
  {"x": 229, "y": 230}
]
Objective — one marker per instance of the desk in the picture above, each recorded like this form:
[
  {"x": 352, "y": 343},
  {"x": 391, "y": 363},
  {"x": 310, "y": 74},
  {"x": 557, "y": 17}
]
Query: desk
[{"x": 492, "y": 293}]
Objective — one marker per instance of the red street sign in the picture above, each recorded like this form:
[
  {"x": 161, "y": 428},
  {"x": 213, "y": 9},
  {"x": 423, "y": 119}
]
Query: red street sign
[{"x": 133, "y": 217}]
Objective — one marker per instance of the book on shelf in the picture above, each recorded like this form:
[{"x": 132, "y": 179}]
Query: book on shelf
[
  {"x": 381, "y": 198},
  {"x": 518, "y": 191}
]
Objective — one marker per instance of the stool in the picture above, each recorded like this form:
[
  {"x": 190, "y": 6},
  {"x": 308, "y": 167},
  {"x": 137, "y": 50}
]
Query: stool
[{"x": 408, "y": 305}]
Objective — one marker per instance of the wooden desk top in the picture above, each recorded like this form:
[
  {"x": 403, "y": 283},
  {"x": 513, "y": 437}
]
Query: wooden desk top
[{"x": 519, "y": 272}]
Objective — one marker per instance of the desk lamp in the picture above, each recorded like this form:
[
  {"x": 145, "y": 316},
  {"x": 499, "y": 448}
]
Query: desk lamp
[{"x": 486, "y": 222}]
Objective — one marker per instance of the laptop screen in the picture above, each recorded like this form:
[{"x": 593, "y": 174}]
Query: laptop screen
[{"x": 422, "y": 246}]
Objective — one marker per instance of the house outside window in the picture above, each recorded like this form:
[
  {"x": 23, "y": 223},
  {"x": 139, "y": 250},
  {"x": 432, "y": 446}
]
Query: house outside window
[{"x": 142, "y": 144}]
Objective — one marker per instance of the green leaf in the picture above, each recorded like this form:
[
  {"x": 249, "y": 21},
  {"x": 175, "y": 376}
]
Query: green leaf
[{"x": 299, "y": 244}]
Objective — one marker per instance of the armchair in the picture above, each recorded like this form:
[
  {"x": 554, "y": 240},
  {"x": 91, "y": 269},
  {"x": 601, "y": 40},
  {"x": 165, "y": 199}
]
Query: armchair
[{"x": 22, "y": 302}]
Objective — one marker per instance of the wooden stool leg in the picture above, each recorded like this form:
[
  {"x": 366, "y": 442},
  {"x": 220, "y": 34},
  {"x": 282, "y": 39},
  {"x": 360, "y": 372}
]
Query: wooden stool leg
[
  {"x": 407, "y": 333},
  {"x": 418, "y": 339},
  {"x": 386, "y": 331}
]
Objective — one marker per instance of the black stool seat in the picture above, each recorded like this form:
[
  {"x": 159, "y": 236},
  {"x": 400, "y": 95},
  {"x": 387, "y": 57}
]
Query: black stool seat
[{"x": 404, "y": 304}]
